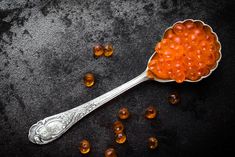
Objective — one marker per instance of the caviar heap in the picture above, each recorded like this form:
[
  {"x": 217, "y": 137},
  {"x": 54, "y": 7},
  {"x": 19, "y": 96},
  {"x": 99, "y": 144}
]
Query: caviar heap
[
  {"x": 123, "y": 113},
  {"x": 89, "y": 79},
  {"x": 188, "y": 50},
  {"x": 84, "y": 147}
]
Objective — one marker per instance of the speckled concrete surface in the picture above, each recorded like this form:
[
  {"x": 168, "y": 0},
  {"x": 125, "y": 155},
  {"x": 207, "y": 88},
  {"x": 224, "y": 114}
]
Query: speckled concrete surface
[{"x": 46, "y": 48}]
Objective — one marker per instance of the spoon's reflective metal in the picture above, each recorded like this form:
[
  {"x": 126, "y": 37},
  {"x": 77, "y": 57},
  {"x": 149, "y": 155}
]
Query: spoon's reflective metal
[{"x": 53, "y": 127}]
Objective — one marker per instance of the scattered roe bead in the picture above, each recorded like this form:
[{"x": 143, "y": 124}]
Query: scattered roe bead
[
  {"x": 174, "y": 98},
  {"x": 98, "y": 50},
  {"x": 108, "y": 50},
  {"x": 188, "y": 50},
  {"x": 118, "y": 127},
  {"x": 152, "y": 143},
  {"x": 84, "y": 147},
  {"x": 123, "y": 113},
  {"x": 110, "y": 152},
  {"x": 89, "y": 79},
  {"x": 120, "y": 138},
  {"x": 150, "y": 112}
]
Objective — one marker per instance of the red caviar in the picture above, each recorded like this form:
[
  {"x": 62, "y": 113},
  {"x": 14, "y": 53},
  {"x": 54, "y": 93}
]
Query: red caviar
[{"x": 188, "y": 50}]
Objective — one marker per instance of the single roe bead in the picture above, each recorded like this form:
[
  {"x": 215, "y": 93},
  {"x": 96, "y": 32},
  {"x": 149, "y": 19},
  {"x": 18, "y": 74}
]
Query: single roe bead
[
  {"x": 150, "y": 112},
  {"x": 98, "y": 50},
  {"x": 89, "y": 79},
  {"x": 152, "y": 143},
  {"x": 123, "y": 113},
  {"x": 84, "y": 147},
  {"x": 118, "y": 127},
  {"x": 120, "y": 138},
  {"x": 110, "y": 152},
  {"x": 174, "y": 98},
  {"x": 108, "y": 50}
]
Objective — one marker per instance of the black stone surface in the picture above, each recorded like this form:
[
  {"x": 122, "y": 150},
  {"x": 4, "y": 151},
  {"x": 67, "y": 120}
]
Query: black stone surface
[{"x": 46, "y": 48}]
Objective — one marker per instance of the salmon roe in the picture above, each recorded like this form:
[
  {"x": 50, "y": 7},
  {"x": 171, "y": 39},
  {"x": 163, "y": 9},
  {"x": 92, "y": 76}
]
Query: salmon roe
[
  {"x": 84, "y": 146},
  {"x": 188, "y": 50}
]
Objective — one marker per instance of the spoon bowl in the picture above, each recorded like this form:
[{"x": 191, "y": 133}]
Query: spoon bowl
[{"x": 187, "y": 80}]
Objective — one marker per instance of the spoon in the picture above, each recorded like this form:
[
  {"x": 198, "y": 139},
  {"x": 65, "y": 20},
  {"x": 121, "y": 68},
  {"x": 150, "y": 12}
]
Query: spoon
[{"x": 51, "y": 128}]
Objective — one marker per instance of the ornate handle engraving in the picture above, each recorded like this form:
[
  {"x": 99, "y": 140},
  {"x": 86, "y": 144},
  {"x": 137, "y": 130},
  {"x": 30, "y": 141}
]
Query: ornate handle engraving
[{"x": 53, "y": 127}]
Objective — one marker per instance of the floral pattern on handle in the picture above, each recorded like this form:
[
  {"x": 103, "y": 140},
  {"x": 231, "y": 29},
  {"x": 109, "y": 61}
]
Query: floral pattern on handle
[{"x": 50, "y": 128}]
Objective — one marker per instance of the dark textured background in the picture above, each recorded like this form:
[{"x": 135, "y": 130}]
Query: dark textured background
[{"x": 46, "y": 48}]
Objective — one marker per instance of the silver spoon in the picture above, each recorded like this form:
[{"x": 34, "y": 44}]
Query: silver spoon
[{"x": 51, "y": 128}]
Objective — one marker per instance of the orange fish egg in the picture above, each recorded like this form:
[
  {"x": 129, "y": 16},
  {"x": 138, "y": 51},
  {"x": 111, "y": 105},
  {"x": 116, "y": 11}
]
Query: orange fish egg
[
  {"x": 188, "y": 50},
  {"x": 84, "y": 146}
]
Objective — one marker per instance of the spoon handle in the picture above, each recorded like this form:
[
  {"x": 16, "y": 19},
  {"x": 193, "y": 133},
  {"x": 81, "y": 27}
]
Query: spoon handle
[{"x": 51, "y": 128}]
